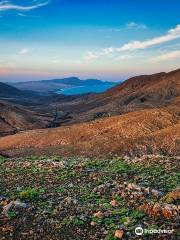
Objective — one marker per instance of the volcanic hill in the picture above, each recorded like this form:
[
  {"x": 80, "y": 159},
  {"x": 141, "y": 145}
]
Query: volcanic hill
[{"x": 147, "y": 121}]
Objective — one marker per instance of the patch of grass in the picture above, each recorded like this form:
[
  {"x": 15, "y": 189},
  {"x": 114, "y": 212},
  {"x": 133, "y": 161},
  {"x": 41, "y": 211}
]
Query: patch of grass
[
  {"x": 2, "y": 159},
  {"x": 136, "y": 215},
  {"x": 59, "y": 190},
  {"x": 110, "y": 236},
  {"x": 12, "y": 214},
  {"x": 159, "y": 177},
  {"x": 72, "y": 221},
  {"x": 30, "y": 194}
]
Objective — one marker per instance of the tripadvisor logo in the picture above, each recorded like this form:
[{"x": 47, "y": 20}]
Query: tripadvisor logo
[{"x": 140, "y": 231}]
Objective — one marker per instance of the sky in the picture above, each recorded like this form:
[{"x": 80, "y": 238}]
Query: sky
[{"x": 106, "y": 39}]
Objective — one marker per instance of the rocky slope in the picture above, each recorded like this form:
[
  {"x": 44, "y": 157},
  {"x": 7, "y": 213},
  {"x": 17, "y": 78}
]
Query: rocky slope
[
  {"x": 15, "y": 118},
  {"x": 145, "y": 131},
  {"x": 141, "y": 92},
  {"x": 147, "y": 121}
]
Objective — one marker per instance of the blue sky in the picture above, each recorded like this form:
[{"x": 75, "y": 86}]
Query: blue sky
[{"x": 109, "y": 40}]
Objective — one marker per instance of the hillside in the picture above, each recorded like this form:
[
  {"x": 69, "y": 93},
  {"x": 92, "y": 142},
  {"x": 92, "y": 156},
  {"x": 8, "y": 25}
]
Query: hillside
[
  {"x": 99, "y": 179},
  {"x": 145, "y": 131},
  {"x": 137, "y": 93},
  {"x": 147, "y": 121},
  {"x": 7, "y": 90},
  {"x": 15, "y": 118}
]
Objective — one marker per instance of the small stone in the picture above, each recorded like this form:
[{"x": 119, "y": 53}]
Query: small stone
[
  {"x": 146, "y": 190},
  {"x": 132, "y": 186},
  {"x": 103, "y": 188},
  {"x": 99, "y": 214},
  {"x": 70, "y": 185},
  {"x": 113, "y": 203},
  {"x": 70, "y": 200},
  {"x": 93, "y": 223},
  {"x": 20, "y": 204},
  {"x": 2, "y": 198},
  {"x": 118, "y": 234},
  {"x": 6, "y": 209},
  {"x": 31, "y": 232},
  {"x": 156, "y": 193}
]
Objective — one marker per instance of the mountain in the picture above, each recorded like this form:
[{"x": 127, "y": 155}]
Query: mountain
[
  {"x": 7, "y": 90},
  {"x": 147, "y": 121},
  {"x": 137, "y": 93},
  {"x": 62, "y": 84},
  {"x": 15, "y": 118}
]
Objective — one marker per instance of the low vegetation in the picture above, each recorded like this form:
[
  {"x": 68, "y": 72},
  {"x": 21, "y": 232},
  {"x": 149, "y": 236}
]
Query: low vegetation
[{"x": 81, "y": 198}]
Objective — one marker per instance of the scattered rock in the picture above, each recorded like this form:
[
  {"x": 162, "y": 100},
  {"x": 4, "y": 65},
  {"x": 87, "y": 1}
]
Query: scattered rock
[
  {"x": 70, "y": 185},
  {"x": 6, "y": 209},
  {"x": 15, "y": 204},
  {"x": 69, "y": 201},
  {"x": 19, "y": 204},
  {"x": 156, "y": 193},
  {"x": 172, "y": 197},
  {"x": 2, "y": 198},
  {"x": 92, "y": 223},
  {"x": 167, "y": 211},
  {"x": 99, "y": 214},
  {"x": 103, "y": 188},
  {"x": 113, "y": 203},
  {"x": 118, "y": 234},
  {"x": 132, "y": 186}
]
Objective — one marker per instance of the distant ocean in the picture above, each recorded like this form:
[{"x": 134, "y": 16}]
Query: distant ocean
[{"x": 86, "y": 89}]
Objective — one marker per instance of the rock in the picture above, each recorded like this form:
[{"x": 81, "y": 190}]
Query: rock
[
  {"x": 99, "y": 214},
  {"x": 166, "y": 211},
  {"x": 70, "y": 185},
  {"x": 156, "y": 193},
  {"x": 172, "y": 197},
  {"x": 83, "y": 217},
  {"x": 19, "y": 204},
  {"x": 50, "y": 163},
  {"x": 118, "y": 234},
  {"x": 92, "y": 223},
  {"x": 103, "y": 188},
  {"x": 132, "y": 186},
  {"x": 6, "y": 209},
  {"x": 113, "y": 203},
  {"x": 16, "y": 204},
  {"x": 2, "y": 198},
  {"x": 18, "y": 189},
  {"x": 146, "y": 190},
  {"x": 69, "y": 201}
]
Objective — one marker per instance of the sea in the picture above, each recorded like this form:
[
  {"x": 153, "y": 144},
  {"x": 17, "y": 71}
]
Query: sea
[{"x": 86, "y": 89}]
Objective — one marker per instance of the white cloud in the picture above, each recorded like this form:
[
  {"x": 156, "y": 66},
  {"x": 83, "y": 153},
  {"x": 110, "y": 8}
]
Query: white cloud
[
  {"x": 7, "y": 5},
  {"x": 172, "y": 34},
  {"x": 90, "y": 55},
  {"x": 108, "y": 50},
  {"x": 24, "y": 51},
  {"x": 134, "y": 25},
  {"x": 166, "y": 57},
  {"x": 125, "y": 57}
]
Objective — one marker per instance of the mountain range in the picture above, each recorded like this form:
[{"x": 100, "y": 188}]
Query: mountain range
[
  {"x": 60, "y": 85},
  {"x": 139, "y": 116}
]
